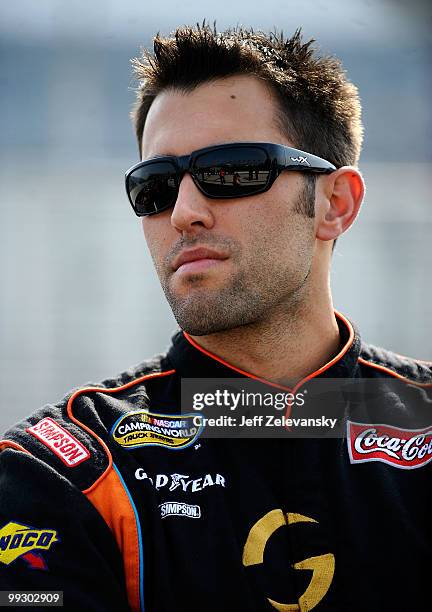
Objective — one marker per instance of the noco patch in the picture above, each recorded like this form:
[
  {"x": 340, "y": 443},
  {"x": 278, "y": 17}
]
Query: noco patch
[
  {"x": 59, "y": 441},
  {"x": 142, "y": 428},
  {"x": 17, "y": 540}
]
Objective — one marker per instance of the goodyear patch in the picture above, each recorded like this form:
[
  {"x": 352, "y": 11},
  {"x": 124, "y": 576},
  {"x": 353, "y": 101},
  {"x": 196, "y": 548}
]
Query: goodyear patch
[
  {"x": 18, "y": 540},
  {"x": 142, "y": 428}
]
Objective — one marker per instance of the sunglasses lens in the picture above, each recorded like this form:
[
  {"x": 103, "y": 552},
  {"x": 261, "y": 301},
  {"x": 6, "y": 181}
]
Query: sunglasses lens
[
  {"x": 152, "y": 187},
  {"x": 232, "y": 172}
]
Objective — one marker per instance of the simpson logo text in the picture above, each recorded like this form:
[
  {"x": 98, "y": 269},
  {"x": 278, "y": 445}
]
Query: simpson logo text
[
  {"x": 59, "y": 441},
  {"x": 179, "y": 509}
]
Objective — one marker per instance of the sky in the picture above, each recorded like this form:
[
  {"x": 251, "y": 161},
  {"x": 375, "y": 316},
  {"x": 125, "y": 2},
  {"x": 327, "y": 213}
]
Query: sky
[{"x": 386, "y": 22}]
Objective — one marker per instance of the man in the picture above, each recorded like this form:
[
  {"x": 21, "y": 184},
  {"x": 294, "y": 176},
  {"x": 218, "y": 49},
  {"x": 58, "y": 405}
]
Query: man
[{"x": 115, "y": 496}]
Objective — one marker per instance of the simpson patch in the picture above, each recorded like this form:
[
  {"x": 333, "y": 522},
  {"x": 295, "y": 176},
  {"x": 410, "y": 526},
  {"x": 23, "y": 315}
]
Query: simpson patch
[{"x": 59, "y": 441}]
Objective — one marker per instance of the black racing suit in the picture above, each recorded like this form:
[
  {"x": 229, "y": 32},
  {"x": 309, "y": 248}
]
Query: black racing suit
[{"x": 116, "y": 520}]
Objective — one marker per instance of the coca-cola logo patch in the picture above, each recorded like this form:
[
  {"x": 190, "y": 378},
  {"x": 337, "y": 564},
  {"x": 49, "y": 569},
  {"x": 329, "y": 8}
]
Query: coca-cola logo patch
[{"x": 403, "y": 448}]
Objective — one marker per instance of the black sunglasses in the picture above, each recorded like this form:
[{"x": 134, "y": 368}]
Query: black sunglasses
[{"x": 232, "y": 170}]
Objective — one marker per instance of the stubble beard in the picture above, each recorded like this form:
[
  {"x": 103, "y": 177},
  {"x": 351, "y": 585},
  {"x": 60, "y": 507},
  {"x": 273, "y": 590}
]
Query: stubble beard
[
  {"x": 207, "y": 311},
  {"x": 248, "y": 296}
]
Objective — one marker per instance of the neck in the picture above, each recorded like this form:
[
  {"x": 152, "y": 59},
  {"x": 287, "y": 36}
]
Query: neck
[{"x": 287, "y": 346}]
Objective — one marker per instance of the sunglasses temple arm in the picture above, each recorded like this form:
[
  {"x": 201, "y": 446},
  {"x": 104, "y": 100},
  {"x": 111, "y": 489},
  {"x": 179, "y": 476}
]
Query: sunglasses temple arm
[
  {"x": 320, "y": 165},
  {"x": 300, "y": 160}
]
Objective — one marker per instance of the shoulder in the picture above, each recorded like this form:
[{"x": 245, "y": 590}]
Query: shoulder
[
  {"x": 379, "y": 362},
  {"x": 72, "y": 436}
]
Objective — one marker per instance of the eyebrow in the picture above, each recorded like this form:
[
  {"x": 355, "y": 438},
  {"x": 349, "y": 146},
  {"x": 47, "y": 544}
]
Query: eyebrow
[
  {"x": 170, "y": 154},
  {"x": 158, "y": 155}
]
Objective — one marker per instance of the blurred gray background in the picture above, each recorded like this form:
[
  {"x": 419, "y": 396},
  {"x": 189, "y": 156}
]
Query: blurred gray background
[{"x": 79, "y": 298}]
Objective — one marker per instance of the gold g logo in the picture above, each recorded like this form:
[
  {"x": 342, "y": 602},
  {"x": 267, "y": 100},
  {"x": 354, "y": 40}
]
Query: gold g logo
[{"x": 322, "y": 566}]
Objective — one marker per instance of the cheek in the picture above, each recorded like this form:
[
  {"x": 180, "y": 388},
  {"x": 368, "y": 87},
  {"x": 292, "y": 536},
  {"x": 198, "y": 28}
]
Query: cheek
[
  {"x": 274, "y": 231},
  {"x": 157, "y": 234},
  {"x": 265, "y": 220},
  {"x": 147, "y": 229},
  {"x": 253, "y": 224}
]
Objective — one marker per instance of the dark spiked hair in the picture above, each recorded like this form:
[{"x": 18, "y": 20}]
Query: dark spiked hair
[{"x": 319, "y": 109}]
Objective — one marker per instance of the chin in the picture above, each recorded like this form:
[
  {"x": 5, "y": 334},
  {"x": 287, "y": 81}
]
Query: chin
[
  {"x": 206, "y": 319},
  {"x": 201, "y": 310}
]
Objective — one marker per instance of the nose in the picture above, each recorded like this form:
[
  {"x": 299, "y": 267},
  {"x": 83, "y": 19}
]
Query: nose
[{"x": 192, "y": 210}]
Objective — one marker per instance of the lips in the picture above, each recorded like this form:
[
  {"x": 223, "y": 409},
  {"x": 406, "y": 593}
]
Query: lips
[{"x": 196, "y": 255}]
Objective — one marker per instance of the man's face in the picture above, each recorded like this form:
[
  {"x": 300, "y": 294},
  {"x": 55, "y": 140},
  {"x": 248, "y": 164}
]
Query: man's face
[{"x": 259, "y": 249}]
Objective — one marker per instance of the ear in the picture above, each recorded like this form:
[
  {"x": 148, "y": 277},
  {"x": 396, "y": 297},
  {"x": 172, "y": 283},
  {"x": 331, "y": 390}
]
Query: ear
[{"x": 339, "y": 197}]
